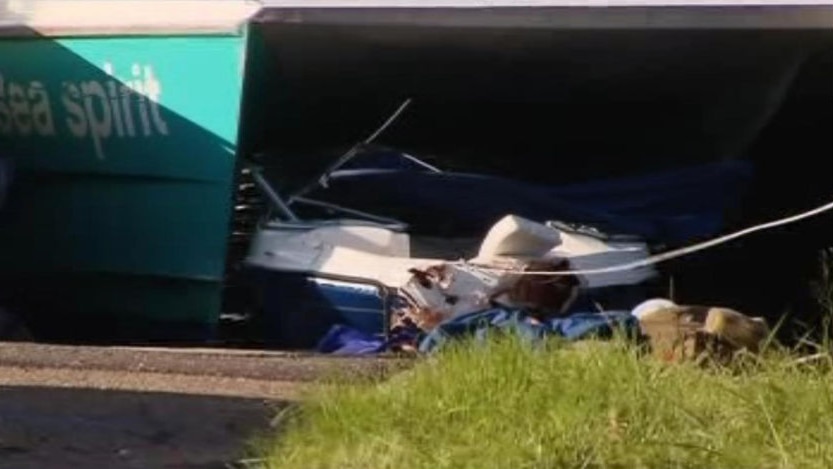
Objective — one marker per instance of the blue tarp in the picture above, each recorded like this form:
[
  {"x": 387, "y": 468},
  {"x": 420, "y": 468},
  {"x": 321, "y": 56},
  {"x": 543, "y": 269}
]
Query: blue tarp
[
  {"x": 669, "y": 207},
  {"x": 576, "y": 326},
  {"x": 343, "y": 340}
]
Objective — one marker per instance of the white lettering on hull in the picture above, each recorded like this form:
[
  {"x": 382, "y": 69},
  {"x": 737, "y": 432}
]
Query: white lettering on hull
[{"x": 95, "y": 110}]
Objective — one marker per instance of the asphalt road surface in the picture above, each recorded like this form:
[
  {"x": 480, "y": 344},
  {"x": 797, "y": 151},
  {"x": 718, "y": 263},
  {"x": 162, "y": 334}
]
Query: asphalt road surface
[{"x": 72, "y": 407}]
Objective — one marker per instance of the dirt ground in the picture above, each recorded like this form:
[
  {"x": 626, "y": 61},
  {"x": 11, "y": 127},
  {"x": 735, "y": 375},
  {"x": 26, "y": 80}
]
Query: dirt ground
[{"x": 73, "y": 407}]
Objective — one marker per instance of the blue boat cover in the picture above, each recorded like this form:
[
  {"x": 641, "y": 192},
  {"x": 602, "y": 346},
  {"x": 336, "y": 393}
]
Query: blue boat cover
[
  {"x": 577, "y": 326},
  {"x": 344, "y": 340},
  {"x": 670, "y": 207}
]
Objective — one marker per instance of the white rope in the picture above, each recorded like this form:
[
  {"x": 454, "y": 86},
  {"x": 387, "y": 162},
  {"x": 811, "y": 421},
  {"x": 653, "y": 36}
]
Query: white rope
[
  {"x": 388, "y": 122},
  {"x": 656, "y": 259},
  {"x": 418, "y": 161},
  {"x": 353, "y": 151}
]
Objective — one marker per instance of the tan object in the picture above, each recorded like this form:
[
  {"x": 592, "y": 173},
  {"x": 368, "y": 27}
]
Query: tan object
[{"x": 686, "y": 332}]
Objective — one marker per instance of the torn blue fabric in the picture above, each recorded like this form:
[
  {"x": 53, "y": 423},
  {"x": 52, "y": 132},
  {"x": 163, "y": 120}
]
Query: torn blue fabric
[
  {"x": 344, "y": 340},
  {"x": 577, "y": 326}
]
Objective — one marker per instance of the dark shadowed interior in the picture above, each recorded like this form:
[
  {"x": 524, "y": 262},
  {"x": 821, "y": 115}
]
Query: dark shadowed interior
[{"x": 559, "y": 106}]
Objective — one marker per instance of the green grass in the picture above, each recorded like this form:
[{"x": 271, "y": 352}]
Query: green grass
[
  {"x": 597, "y": 405},
  {"x": 591, "y": 405}
]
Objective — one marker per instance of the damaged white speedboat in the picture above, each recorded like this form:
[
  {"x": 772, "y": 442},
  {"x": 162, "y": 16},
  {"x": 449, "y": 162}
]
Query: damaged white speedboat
[{"x": 314, "y": 274}]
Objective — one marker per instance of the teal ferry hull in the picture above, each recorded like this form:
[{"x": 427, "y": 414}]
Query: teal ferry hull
[
  {"x": 125, "y": 125},
  {"x": 124, "y": 152}
]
